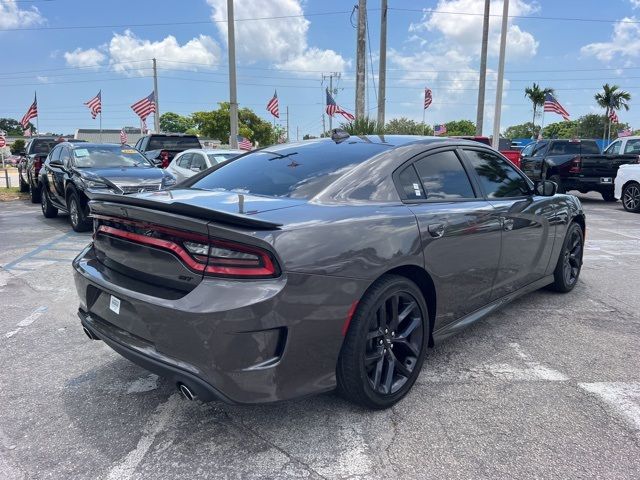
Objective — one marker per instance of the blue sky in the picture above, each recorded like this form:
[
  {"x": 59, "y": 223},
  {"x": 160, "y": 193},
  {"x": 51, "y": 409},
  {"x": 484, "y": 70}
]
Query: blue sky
[{"x": 437, "y": 49}]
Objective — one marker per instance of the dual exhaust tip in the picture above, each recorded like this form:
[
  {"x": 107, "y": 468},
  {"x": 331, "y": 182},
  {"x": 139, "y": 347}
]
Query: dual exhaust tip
[{"x": 88, "y": 333}]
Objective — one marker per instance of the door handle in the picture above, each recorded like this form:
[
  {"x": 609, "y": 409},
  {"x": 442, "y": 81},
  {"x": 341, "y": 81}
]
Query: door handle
[
  {"x": 507, "y": 224},
  {"x": 436, "y": 230}
]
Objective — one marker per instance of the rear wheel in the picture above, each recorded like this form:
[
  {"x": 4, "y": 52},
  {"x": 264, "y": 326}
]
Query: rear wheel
[
  {"x": 48, "y": 210},
  {"x": 24, "y": 186},
  {"x": 631, "y": 197},
  {"x": 79, "y": 221},
  {"x": 558, "y": 181},
  {"x": 385, "y": 346},
  {"x": 35, "y": 193},
  {"x": 570, "y": 261},
  {"x": 608, "y": 196}
]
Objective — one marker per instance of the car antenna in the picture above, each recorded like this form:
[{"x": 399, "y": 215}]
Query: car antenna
[{"x": 339, "y": 135}]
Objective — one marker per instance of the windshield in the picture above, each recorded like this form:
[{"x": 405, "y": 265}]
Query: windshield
[
  {"x": 43, "y": 146},
  {"x": 173, "y": 143},
  {"x": 220, "y": 157},
  {"x": 109, "y": 156},
  {"x": 295, "y": 171}
]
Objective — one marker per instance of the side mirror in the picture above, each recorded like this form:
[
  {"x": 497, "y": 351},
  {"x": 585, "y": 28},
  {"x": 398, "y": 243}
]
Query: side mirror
[{"x": 546, "y": 188}]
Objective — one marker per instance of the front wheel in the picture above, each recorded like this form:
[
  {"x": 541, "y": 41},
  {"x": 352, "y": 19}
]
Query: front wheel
[
  {"x": 385, "y": 345},
  {"x": 569, "y": 265},
  {"x": 79, "y": 221},
  {"x": 631, "y": 197}
]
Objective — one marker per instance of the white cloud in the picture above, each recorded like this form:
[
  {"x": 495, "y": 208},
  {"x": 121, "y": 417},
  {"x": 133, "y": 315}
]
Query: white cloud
[
  {"x": 635, "y": 3},
  {"x": 281, "y": 41},
  {"x": 42, "y": 79},
  {"x": 465, "y": 31},
  {"x": 625, "y": 42},
  {"x": 127, "y": 53},
  {"x": 85, "y": 58},
  {"x": 11, "y": 16}
]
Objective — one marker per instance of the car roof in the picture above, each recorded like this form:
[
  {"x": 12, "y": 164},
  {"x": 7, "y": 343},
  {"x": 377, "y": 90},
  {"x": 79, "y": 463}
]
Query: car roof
[
  {"x": 213, "y": 151},
  {"x": 95, "y": 144}
]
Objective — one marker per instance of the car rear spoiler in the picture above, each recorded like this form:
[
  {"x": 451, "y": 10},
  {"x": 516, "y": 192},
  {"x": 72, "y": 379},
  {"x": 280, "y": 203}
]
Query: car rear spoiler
[{"x": 185, "y": 209}]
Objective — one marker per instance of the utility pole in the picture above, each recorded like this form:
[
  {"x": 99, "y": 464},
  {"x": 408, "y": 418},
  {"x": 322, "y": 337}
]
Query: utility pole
[
  {"x": 324, "y": 129},
  {"x": 382, "y": 73},
  {"x": 233, "y": 100},
  {"x": 361, "y": 58},
  {"x": 288, "y": 124},
  {"x": 503, "y": 46},
  {"x": 156, "y": 115},
  {"x": 483, "y": 68},
  {"x": 331, "y": 76}
]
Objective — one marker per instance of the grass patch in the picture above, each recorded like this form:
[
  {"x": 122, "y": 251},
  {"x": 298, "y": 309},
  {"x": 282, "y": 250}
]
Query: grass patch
[{"x": 13, "y": 193}]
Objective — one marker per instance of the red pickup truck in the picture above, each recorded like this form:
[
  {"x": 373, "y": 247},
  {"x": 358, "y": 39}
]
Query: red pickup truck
[{"x": 512, "y": 155}]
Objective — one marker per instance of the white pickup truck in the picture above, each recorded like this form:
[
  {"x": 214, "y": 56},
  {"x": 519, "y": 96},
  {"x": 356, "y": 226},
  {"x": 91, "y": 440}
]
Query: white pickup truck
[{"x": 627, "y": 182}]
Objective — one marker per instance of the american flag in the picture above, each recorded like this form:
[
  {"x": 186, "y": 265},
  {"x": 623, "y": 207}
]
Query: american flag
[
  {"x": 440, "y": 129},
  {"x": 613, "y": 116},
  {"x": 272, "y": 106},
  {"x": 244, "y": 143},
  {"x": 123, "y": 136},
  {"x": 27, "y": 132},
  {"x": 552, "y": 105},
  {"x": 428, "y": 98},
  {"x": 31, "y": 113},
  {"x": 333, "y": 108},
  {"x": 625, "y": 133},
  {"x": 144, "y": 107},
  {"x": 95, "y": 105}
]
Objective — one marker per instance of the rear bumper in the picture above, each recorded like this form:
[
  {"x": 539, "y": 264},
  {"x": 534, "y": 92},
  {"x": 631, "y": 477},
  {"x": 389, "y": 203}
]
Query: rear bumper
[
  {"x": 587, "y": 183},
  {"x": 239, "y": 341}
]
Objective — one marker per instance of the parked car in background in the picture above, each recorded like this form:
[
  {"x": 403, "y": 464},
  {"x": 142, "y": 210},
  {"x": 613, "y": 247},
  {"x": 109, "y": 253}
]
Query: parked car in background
[
  {"x": 624, "y": 145},
  {"x": 31, "y": 160},
  {"x": 504, "y": 148},
  {"x": 627, "y": 187},
  {"x": 72, "y": 172},
  {"x": 575, "y": 165},
  {"x": 332, "y": 262},
  {"x": 192, "y": 161},
  {"x": 160, "y": 148}
]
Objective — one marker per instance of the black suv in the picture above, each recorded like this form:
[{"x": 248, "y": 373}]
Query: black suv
[
  {"x": 31, "y": 160},
  {"x": 160, "y": 148}
]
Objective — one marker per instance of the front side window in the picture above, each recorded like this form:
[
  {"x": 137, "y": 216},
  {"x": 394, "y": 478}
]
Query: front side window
[
  {"x": 614, "y": 148},
  {"x": 443, "y": 177},
  {"x": 54, "y": 156},
  {"x": 185, "y": 161},
  {"x": 498, "y": 178},
  {"x": 526, "y": 151},
  {"x": 539, "y": 149}
]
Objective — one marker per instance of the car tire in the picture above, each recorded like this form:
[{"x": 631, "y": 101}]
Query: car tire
[
  {"x": 567, "y": 271},
  {"x": 608, "y": 196},
  {"x": 24, "y": 187},
  {"x": 558, "y": 181},
  {"x": 48, "y": 210},
  {"x": 35, "y": 193},
  {"x": 385, "y": 345},
  {"x": 631, "y": 197},
  {"x": 77, "y": 216}
]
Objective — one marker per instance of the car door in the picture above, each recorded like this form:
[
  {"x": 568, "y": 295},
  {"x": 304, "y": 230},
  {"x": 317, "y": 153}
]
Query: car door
[
  {"x": 459, "y": 230},
  {"x": 49, "y": 168},
  {"x": 528, "y": 221},
  {"x": 57, "y": 174}
]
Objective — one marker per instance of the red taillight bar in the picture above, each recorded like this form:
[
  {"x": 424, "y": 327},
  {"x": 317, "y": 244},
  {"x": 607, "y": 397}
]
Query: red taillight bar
[{"x": 267, "y": 270}]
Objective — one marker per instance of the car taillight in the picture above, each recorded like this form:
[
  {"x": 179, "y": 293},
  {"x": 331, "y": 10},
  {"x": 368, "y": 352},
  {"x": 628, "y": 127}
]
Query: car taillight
[
  {"x": 576, "y": 165},
  {"x": 164, "y": 157},
  {"x": 37, "y": 165},
  {"x": 214, "y": 257}
]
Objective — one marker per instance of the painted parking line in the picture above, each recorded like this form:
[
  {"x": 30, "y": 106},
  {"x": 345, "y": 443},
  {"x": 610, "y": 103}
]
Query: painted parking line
[
  {"x": 622, "y": 397},
  {"x": 42, "y": 248},
  {"x": 32, "y": 317}
]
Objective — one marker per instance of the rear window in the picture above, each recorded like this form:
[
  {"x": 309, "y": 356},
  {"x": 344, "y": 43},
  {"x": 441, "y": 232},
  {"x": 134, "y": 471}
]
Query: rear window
[
  {"x": 573, "y": 148},
  {"x": 108, "y": 156},
  {"x": 295, "y": 171},
  {"x": 173, "y": 143},
  {"x": 220, "y": 157},
  {"x": 43, "y": 146}
]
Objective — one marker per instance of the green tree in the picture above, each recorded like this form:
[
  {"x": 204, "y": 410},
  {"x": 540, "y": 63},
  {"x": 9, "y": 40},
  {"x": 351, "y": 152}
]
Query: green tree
[
  {"x": 460, "y": 127},
  {"x": 591, "y": 125},
  {"x": 612, "y": 98},
  {"x": 308, "y": 136},
  {"x": 362, "y": 126},
  {"x": 175, "y": 123},
  {"x": 216, "y": 124},
  {"x": 521, "y": 131},
  {"x": 536, "y": 95},
  {"x": 17, "y": 146},
  {"x": 562, "y": 129},
  {"x": 13, "y": 127},
  {"x": 406, "y": 126}
]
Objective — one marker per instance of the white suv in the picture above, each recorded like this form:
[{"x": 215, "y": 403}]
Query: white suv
[{"x": 627, "y": 182}]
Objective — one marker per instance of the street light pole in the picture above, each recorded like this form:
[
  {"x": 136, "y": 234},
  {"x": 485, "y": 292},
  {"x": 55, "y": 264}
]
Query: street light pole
[
  {"x": 483, "y": 68},
  {"x": 503, "y": 46},
  {"x": 233, "y": 100},
  {"x": 382, "y": 72}
]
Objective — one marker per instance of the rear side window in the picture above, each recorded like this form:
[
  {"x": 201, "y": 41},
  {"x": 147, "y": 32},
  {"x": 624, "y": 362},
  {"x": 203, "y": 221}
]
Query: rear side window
[
  {"x": 443, "y": 177},
  {"x": 410, "y": 184},
  {"x": 497, "y": 176}
]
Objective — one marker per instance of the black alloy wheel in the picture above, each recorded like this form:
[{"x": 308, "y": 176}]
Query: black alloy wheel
[
  {"x": 570, "y": 262},
  {"x": 385, "y": 345},
  {"x": 77, "y": 216},
  {"x": 394, "y": 342},
  {"x": 48, "y": 210},
  {"x": 631, "y": 197}
]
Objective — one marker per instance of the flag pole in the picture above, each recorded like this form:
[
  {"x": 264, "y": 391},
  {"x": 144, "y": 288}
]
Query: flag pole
[
  {"x": 541, "y": 125},
  {"x": 424, "y": 111},
  {"x": 35, "y": 94}
]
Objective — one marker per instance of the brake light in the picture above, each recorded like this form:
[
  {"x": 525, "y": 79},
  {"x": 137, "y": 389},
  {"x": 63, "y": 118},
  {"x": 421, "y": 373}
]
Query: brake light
[
  {"x": 214, "y": 257},
  {"x": 164, "y": 158},
  {"x": 576, "y": 165}
]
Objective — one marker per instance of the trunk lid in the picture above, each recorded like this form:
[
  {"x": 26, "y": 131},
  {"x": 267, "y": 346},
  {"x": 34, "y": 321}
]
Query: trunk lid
[{"x": 604, "y": 165}]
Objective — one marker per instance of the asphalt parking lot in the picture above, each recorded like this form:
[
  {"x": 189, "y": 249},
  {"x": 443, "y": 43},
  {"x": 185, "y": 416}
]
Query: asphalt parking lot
[{"x": 549, "y": 387}]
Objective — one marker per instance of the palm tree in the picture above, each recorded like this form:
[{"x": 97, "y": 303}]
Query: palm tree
[
  {"x": 536, "y": 95},
  {"x": 611, "y": 98}
]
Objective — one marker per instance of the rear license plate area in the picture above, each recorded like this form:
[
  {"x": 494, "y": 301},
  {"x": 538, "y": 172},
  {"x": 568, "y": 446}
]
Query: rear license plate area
[{"x": 606, "y": 180}]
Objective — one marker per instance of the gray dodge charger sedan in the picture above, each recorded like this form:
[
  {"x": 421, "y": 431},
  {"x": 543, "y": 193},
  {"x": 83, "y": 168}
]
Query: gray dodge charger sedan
[{"x": 332, "y": 263}]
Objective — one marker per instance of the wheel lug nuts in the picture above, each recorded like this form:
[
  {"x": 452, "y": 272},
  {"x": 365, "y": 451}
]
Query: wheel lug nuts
[
  {"x": 381, "y": 342},
  {"x": 386, "y": 330},
  {"x": 393, "y": 334}
]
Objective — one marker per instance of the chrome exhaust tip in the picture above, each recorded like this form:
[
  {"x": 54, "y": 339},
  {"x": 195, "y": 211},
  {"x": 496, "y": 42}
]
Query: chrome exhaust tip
[
  {"x": 88, "y": 333},
  {"x": 186, "y": 392}
]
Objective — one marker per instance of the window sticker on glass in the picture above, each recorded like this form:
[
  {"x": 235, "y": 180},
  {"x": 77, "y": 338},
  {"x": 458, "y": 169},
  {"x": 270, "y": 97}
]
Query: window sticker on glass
[
  {"x": 81, "y": 152},
  {"x": 128, "y": 152},
  {"x": 416, "y": 189}
]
